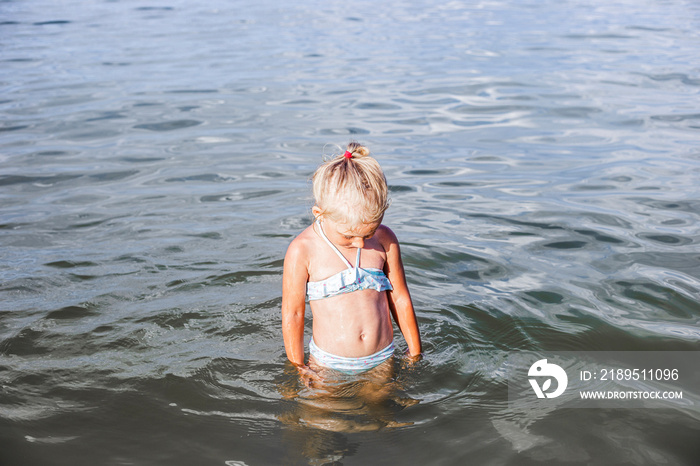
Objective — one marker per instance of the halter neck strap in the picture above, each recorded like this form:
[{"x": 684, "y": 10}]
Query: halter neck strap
[{"x": 335, "y": 249}]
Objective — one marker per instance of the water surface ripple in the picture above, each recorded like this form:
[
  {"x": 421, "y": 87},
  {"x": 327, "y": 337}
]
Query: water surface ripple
[{"x": 154, "y": 164}]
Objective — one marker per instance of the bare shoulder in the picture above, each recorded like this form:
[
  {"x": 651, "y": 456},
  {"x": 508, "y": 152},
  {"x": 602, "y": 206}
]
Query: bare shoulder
[
  {"x": 301, "y": 246},
  {"x": 386, "y": 237}
]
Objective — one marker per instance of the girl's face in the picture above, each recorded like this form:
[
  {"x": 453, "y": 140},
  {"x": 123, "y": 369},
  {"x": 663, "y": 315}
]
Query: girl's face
[{"x": 348, "y": 236}]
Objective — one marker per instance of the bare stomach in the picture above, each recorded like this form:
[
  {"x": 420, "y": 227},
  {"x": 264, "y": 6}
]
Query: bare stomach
[{"x": 352, "y": 325}]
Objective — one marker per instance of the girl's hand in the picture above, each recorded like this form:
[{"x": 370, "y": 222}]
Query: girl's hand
[
  {"x": 412, "y": 359},
  {"x": 309, "y": 377}
]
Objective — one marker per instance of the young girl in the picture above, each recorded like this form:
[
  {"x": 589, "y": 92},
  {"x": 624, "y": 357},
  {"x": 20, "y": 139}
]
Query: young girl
[{"x": 348, "y": 265}]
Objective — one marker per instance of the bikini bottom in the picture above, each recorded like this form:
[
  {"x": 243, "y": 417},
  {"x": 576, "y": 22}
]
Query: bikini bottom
[{"x": 350, "y": 366}]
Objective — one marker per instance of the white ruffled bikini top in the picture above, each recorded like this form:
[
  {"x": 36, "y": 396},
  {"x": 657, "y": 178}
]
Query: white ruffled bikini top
[{"x": 348, "y": 280}]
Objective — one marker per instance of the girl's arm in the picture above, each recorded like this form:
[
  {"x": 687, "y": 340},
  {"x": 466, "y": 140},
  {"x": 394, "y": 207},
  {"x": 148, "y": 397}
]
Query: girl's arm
[
  {"x": 294, "y": 280},
  {"x": 400, "y": 302}
]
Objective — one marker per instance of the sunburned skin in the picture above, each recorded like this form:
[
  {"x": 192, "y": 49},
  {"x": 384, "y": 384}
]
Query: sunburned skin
[{"x": 354, "y": 324}]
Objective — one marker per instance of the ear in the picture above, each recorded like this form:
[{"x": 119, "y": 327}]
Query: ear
[{"x": 316, "y": 210}]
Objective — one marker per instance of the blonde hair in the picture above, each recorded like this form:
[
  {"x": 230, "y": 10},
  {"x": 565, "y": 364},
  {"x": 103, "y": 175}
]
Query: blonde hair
[{"x": 351, "y": 188}]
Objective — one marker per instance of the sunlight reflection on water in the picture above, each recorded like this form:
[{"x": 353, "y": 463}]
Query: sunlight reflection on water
[{"x": 543, "y": 166}]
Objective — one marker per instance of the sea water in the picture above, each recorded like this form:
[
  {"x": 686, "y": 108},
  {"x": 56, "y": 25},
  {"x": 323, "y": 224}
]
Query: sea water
[{"x": 544, "y": 169}]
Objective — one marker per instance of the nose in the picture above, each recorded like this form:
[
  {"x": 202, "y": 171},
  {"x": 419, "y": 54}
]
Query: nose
[{"x": 358, "y": 242}]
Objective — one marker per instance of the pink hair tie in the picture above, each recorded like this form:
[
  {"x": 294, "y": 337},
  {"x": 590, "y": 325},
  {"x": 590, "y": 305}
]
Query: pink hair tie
[{"x": 348, "y": 154}]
